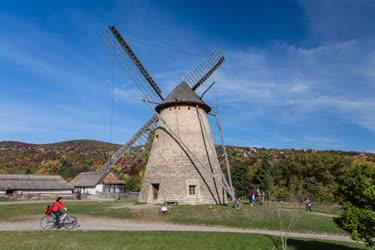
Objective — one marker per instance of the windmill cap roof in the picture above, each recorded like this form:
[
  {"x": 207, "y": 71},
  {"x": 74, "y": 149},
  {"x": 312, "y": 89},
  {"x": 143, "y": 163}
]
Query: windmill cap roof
[{"x": 182, "y": 94}]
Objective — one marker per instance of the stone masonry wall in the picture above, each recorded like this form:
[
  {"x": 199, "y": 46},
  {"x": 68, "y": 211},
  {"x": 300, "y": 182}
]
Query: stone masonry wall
[{"x": 170, "y": 167}]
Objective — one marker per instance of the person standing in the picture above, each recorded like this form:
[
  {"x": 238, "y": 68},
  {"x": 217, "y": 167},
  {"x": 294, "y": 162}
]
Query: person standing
[
  {"x": 250, "y": 197},
  {"x": 308, "y": 205}
]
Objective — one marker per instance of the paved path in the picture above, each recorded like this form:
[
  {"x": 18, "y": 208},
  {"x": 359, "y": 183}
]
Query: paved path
[{"x": 91, "y": 223}]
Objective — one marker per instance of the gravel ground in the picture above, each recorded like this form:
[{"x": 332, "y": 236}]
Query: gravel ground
[{"x": 90, "y": 223}]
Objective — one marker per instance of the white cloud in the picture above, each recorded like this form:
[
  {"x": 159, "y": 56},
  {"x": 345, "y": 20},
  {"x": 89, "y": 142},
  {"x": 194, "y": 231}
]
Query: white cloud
[
  {"x": 302, "y": 80},
  {"x": 127, "y": 94}
]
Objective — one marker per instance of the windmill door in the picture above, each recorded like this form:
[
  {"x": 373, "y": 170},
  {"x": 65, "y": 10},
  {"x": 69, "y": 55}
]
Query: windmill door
[{"x": 155, "y": 191}]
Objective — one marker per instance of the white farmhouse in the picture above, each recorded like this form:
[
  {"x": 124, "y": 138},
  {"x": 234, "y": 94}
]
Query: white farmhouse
[{"x": 97, "y": 182}]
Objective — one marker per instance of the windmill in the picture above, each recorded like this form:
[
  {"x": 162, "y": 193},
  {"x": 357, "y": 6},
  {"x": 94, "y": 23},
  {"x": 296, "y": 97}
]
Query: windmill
[{"x": 183, "y": 166}]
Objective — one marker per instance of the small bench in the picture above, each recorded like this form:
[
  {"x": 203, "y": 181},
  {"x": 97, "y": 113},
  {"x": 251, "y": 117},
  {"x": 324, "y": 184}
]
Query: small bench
[{"x": 170, "y": 202}]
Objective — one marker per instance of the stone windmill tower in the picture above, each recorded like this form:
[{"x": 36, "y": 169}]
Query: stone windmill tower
[
  {"x": 170, "y": 175},
  {"x": 183, "y": 165}
]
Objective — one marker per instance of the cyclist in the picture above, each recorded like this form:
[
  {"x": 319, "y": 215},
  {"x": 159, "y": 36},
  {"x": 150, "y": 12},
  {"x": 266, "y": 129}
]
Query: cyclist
[{"x": 56, "y": 210}]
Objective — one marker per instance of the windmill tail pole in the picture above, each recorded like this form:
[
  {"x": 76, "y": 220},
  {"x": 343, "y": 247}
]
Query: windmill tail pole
[
  {"x": 224, "y": 180},
  {"x": 236, "y": 202},
  {"x": 224, "y": 149}
]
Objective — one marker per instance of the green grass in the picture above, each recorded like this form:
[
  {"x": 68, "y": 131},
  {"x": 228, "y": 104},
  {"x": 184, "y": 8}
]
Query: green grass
[
  {"x": 262, "y": 217},
  {"x": 19, "y": 211},
  {"x": 247, "y": 217},
  {"x": 101, "y": 209},
  {"x": 156, "y": 240},
  {"x": 333, "y": 210}
]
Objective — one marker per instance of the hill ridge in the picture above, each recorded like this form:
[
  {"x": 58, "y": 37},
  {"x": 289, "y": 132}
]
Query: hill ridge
[{"x": 25, "y": 144}]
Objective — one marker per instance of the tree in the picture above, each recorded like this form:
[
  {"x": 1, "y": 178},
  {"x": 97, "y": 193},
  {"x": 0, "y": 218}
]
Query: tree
[
  {"x": 241, "y": 180},
  {"x": 133, "y": 183},
  {"x": 314, "y": 175},
  {"x": 357, "y": 195},
  {"x": 263, "y": 175}
]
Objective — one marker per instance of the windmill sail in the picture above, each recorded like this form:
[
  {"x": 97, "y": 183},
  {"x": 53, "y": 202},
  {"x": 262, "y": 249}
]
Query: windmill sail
[
  {"x": 204, "y": 70},
  {"x": 134, "y": 58},
  {"x": 129, "y": 144},
  {"x": 131, "y": 63}
]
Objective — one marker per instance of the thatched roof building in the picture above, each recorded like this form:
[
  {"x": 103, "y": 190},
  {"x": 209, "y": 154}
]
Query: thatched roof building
[
  {"x": 88, "y": 179},
  {"x": 32, "y": 182},
  {"x": 34, "y": 186}
]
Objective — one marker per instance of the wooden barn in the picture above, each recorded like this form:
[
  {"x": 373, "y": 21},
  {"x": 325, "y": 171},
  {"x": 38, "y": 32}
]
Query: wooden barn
[
  {"x": 97, "y": 182},
  {"x": 33, "y": 186}
]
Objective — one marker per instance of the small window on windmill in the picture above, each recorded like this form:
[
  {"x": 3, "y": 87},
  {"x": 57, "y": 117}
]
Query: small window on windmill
[{"x": 192, "y": 189}]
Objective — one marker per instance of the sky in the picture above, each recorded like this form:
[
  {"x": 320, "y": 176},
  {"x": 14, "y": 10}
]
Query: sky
[{"x": 298, "y": 74}]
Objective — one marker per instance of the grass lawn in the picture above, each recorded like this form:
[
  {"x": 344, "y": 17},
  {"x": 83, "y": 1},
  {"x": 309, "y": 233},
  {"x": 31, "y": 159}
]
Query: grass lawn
[
  {"x": 263, "y": 217},
  {"x": 247, "y": 217},
  {"x": 156, "y": 240}
]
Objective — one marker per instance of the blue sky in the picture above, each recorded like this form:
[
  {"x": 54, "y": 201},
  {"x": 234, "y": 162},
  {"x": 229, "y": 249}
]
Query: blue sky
[{"x": 298, "y": 74}]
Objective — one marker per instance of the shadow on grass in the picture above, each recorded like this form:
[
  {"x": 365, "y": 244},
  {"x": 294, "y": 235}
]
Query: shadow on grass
[
  {"x": 300, "y": 244},
  {"x": 276, "y": 243},
  {"x": 306, "y": 244},
  {"x": 313, "y": 245}
]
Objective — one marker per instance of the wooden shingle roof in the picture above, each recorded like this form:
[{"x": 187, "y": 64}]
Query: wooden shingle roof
[{"x": 182, "y": 94}]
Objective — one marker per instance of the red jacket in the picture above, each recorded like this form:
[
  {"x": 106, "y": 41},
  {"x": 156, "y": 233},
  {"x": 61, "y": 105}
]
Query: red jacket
[{"x": 57, "y": 206}]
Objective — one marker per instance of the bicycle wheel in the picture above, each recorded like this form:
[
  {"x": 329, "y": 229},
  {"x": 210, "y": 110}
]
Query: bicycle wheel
[
  {"x": 47, "y": 222},
  {"x": 70, "y": 222}
]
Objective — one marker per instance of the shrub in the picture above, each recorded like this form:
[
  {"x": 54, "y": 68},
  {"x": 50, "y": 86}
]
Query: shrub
[{"x": 357, "y": 195}]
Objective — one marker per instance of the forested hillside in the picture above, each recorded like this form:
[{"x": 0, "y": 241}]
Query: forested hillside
[
  {"x": 282, "y": 173},
  {"x": 64, "y": 158}
]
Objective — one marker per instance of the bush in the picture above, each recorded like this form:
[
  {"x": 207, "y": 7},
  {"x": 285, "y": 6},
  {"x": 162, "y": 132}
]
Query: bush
[{"x": 357, "y": 195}]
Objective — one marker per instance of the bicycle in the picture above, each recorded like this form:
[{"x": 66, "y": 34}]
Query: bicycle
[{"x": 67, "y": 221}]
